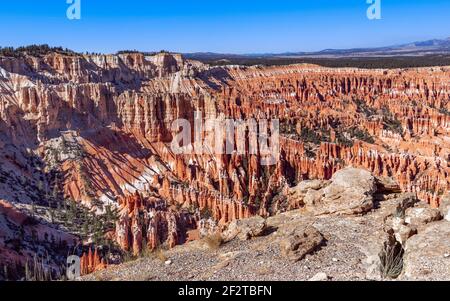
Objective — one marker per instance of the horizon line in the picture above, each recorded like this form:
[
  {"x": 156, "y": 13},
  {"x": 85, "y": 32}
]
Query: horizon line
[{"x": 253, "y": 53}]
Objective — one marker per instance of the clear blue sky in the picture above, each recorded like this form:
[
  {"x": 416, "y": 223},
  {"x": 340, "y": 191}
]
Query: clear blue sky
[{"x": 232, "y": 26}]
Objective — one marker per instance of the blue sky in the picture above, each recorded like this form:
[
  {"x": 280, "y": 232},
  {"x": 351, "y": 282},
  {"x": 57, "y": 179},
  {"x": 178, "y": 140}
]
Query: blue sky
[{"x": 245, "y": 26}]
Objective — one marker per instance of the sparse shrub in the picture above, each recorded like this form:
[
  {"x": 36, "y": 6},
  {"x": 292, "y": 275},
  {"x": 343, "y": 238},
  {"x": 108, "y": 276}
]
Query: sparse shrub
[
  {"x": 399, "y": 212},
  {"x": 391, "y": 260},
  {"x": 309, "y": 135},
  {"x": 146, "y": 250},
  {"x": 258, "y": 201},
  {"x": 310, "y": 153},
  {"x": 206, "y": 213},
  {"x": 391, "y": 123},
  {"x": 288, "y": 128},
  {"x": 127, "y": 257},
  {"x": 213, "y": 241},
  {"x": 444, "y": 111},
  {"x": 159, "y": 254},
  {"x": 343, "y": 140},
  {"x": 363, "y": 108},
  {"x": 346, "y": 137},
  {"x": 362, "y": 134}
]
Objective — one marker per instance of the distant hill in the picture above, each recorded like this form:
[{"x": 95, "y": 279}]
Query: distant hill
[
  {"x": 422, "y": 48},
  {"x": 417, "y": 54},
  {"x": 411, "y": 49}
]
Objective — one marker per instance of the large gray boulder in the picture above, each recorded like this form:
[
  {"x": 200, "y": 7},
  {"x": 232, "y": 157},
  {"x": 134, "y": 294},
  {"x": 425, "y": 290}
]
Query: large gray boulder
[
  {"x": 244, "y": 229},
  {"x": 445, "y": 206},
  {"x": 298, "y": 242},
  {"x": 422, "y": 215},
  {"x": 427, "y": 254},
  {"x": 350, "y": 191}
]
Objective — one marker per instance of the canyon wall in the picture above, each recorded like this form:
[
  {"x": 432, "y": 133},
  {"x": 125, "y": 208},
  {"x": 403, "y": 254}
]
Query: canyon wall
[{"x": 101, "y": 128}]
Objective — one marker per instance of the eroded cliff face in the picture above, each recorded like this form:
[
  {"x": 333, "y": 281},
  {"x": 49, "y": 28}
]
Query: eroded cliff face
[
  {"x": 147, "y": 223},
  {"x": 97, "y": 129}
]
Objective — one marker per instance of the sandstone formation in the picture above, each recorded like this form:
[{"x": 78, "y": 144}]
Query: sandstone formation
[
  {"x": 91, "y": 262},
  {"x": 97, "y": 130},
  {"x": 147, "y": 223},
  {"x": 301, "y": 245}
]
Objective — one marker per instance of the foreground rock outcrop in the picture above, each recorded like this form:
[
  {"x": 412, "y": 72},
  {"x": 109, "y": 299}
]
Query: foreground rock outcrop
[
  {"x": 297, "y": 243},
  {"x": 245, "y": 229},
  {"x": 350, "y": 191},
  {"x": 427, "y": 254},
  {"x": 303, "y": 245},
  {"x": 445, "y": 207}
]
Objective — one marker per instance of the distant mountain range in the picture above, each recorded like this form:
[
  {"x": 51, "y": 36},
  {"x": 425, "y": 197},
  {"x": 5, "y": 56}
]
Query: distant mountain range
[{"x": 423, "y": 48}]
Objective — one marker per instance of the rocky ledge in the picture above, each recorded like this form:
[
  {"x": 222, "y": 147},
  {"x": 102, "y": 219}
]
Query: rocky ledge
[{"x": 369, "y": 232}]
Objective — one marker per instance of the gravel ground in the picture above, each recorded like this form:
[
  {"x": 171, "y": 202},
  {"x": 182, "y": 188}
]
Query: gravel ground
[{"x": 341, "y": 257}]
